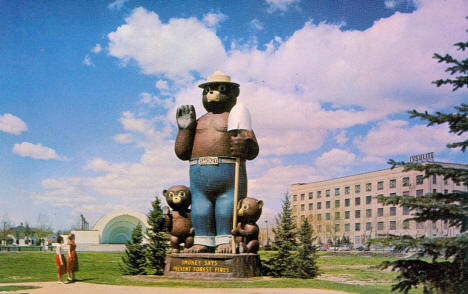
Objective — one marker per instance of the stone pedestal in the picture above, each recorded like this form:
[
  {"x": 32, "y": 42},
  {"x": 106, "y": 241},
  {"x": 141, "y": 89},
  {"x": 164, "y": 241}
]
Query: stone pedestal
[{"x": 212, "y": 265}]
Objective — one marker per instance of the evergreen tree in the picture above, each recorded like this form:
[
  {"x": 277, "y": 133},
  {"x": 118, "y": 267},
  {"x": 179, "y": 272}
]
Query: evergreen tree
[
  {"x": 304, "y": 259},
  {"x": 447, "y": 269},
  {"x": 157, "y": 238},
  {"x": 281, "y": 263},
  {"x": 134, "y": 259}
]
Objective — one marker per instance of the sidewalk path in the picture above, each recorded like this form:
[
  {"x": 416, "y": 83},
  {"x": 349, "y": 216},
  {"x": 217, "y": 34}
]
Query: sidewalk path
[{"x": 79, "y": 288}]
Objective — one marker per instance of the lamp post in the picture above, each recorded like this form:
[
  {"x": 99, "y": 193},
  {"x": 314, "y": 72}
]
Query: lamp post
[{"x": 268, "y": 239}]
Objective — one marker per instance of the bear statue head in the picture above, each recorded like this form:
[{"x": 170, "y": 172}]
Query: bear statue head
[
  {"x": 178, "y": 197},
  {"x": 249, "y": 210},
  {"x": 219, "y": 93}
]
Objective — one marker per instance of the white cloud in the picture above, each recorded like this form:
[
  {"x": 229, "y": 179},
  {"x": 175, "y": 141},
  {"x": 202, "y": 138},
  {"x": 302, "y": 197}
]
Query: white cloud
[
  {"x": 62, "y": 193},
  {"x": 256, "y": 24},
  {"x": 161, "y": 85},
  {"x": 213, "y": 19},
  {"x": 155, "y": 46},
  {"x": 341, "y": 138},
  {"x": 97, "y": 49},
  {"x": 396, "y": 137},
  {"x": 280, "y": 5},
  {"x": 335, "y": 161},
  {"x": 393, "y": 4},
  {"x": 87, "y": 60},
  {"x": 116, "y": 5},
  {"x": 274, "y": 182},
  {"x": 152, "y": 101},
  {"x": 36, "y": 151},
  {"x": 124, "y": 138},
  {"x": 12, "y": 124}
]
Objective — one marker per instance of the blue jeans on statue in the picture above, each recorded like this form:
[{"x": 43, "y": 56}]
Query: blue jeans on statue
[{"x": 212, "y": 188}]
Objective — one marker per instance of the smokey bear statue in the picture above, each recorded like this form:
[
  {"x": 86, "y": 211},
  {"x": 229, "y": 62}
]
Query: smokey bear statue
[
  {"x": 178, "y": 221},
  {"x": 211, "y": 152},
  {"x": 246, "y": 231}
]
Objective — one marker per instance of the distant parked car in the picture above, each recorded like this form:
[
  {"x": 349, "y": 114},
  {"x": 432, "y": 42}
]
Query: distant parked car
[{"x": 360, "y": 248}]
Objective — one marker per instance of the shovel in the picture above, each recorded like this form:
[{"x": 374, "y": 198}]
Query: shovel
[{"x": 239, "y": 119}]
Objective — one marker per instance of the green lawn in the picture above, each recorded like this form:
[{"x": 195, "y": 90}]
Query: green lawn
[
  {"x": 346, "y": 273},
  {"x": 15, "y": 288}
]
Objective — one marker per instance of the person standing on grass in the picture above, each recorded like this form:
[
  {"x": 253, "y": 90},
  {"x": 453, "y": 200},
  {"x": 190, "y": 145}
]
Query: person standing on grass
[
  {"x": 72, "y": 258},
  {"x": 60, "y": 259}
]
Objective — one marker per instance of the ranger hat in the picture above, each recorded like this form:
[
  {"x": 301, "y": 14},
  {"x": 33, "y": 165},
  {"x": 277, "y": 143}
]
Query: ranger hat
[{"x": 218, "y": 77}]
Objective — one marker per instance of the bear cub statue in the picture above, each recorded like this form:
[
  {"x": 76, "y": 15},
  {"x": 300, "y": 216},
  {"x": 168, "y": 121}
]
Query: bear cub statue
[
  {"x": 179, "y": 221},
  {"x": 246, "y": 232}
]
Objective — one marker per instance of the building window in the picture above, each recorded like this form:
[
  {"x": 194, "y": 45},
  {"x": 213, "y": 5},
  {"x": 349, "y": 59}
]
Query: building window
[
  {"x": 337, "y": 215},
  {"x": 368, "y": 226},
  {"x": 357, "y": 213},
  {"x": 392, "y": 183},
  {"x": 420, "y": 192},
  {"x": 357, "y": 201},
  {"x": 445, "y": 191},
  {"x": 319, "y": 194},
  {"x": 319, "y": 228},
  {"x": 337, "y": 191},
  {"x": 357, "y": 226},
  {"x": 327, "y": 204},
  {"x": 302, "y": 197},
  {"x": 406, "y": 224},
  {"x": 357, "y": 189},
  {"x": 311, "y": 206},
  {"x": 319, "y": 216},
  {"x": 380, "y": 185},
  {"x": 368, "y": 199},
  {"x": 327, "y": 216},
  {"x": 420, "y": 226},
  {"x": 434, "y": 179},
  {"x": 380, "y": 226},
  {"x": 337, "y": 227},
  {"x": 405, "y": 181},
  {"x": 405, "y": 193},
  {"x": 302, "y": 217},
  {"x": 368, "y": 212},
  {"x": 392, "y": 194},
  {"x": 346, "y": 190},
  {"x": 311, "y": 195},
  {"x": 346, "y": 214},
  {"x": 327, "y": 193},
  {"x": 392, "y": 225},
  {"x": 346, "y": 227},
  {"x": 380, "y": 211},
  {"x": 346, "y": 202},
  {"x": 369, "y": 187},
  {"x": 419, "y": 179},
  {"x": 302, "y": 207},
  {"x": 357, "y": 240},
  {"x": 294, "y": 208},
  {"x": 445, "y": 182},
  {"x": 392, "y": 211},
  {"x": 406, "y": 210},
  {"x": 337, "y": 203},
  {"x": 294, "y": 197},
  {"x": 319, "y": 205},
  {"x": 434, "y": 191}
]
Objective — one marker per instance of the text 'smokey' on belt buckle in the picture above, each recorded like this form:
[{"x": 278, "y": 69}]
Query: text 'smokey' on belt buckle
[{"x": 208, "y": 161}]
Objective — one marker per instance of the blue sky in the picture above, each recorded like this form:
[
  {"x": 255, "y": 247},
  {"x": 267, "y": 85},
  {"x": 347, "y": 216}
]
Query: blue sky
[{"x": 88, "y": 91}]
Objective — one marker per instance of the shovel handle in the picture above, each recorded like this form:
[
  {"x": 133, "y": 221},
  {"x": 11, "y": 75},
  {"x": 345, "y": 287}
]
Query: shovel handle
[{"x": 236, "y": 199}]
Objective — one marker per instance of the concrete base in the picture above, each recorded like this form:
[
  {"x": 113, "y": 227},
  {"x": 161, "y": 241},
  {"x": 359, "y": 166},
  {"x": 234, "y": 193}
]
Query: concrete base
[
  {"x": 101, "y": 247},
  {"x": 212, "y": 265}
]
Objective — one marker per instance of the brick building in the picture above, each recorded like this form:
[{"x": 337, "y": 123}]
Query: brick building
[{"x": 347, "y": 206}]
